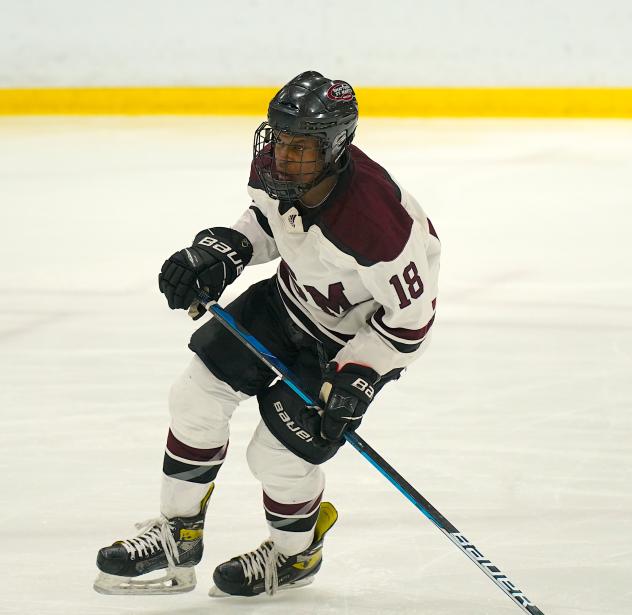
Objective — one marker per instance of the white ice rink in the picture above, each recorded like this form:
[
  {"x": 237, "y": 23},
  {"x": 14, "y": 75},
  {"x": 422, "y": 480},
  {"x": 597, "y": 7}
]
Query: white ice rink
[{"x": 515, "y": 424}]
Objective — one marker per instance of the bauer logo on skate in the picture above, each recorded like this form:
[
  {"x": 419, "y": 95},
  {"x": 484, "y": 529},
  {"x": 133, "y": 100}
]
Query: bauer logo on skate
[
  {"x": 297, "y": 430},
  {"x": 492, "y": 570},
  {"x": 340, "y": 91}
]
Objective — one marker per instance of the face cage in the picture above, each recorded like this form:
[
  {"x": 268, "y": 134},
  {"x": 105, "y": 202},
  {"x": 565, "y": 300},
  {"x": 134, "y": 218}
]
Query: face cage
[{"x": 277, "y": 184}]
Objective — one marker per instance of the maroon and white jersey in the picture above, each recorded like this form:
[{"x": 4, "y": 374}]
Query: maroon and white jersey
[{"x": 361, "y": 269}]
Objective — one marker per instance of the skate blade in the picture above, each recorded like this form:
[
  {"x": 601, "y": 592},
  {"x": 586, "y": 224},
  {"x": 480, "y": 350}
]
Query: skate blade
[
  {"x": 175, "y": 581},
  {"x": 215, "y": 592}
]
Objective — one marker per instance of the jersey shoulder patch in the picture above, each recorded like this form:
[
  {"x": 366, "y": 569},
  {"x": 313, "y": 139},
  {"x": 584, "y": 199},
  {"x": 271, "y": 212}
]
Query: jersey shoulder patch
[{"x": 367, "y": 220}]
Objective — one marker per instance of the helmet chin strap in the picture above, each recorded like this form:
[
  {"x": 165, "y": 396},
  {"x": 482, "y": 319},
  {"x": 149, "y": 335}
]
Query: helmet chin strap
[
  {"x": 333, "y": 171},
  {"x": 324, "y": 198}
]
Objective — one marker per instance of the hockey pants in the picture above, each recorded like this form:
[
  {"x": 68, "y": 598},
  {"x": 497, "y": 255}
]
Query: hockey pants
[{"x": 201, "y": 406}]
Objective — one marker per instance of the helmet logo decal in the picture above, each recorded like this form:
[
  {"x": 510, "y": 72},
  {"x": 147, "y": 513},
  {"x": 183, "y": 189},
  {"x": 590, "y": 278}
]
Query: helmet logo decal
[{"x": 340, "y": 90}]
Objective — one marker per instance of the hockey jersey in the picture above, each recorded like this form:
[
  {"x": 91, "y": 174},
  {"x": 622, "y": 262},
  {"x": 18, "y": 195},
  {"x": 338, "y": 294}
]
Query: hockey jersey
[{"x": 360, "y": 269}]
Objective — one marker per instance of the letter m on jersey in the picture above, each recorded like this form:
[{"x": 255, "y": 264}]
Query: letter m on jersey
[{"x": 335, "y": 303}]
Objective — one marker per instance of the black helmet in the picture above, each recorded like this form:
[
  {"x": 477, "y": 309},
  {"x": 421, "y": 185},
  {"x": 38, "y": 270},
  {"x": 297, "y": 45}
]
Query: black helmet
[{"x": 310, "y": 105}]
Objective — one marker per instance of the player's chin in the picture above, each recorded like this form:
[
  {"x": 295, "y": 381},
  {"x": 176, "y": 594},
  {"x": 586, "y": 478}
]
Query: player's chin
[
  {"x": 304, "y": 178},
  {"x": 292, "y": 178}
]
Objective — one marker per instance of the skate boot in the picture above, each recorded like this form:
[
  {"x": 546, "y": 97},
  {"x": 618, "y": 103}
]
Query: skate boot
[
  {"x": 267, "y": 570},
  {"x": 175, "y": 544}
]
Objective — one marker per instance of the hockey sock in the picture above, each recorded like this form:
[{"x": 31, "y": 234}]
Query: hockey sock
[
  {"x": 291, "y": 525},
  {"x": 187, "y": 473}
]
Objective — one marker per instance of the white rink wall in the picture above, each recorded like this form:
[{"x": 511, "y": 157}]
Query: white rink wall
[{"x": 542, "y": 43}]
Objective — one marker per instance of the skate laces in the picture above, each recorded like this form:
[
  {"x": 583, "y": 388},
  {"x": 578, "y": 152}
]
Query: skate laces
[
  {"x": 263, "y": 562},
  {"x": 154, "y": 534}
]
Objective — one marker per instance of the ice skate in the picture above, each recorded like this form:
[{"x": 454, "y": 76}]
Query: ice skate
[
  {"x": 173, "y": 544},
  {"x": 267, "y": 570}
]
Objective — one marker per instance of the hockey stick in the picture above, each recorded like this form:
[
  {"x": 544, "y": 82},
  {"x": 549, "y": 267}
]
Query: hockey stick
[{"x": 398, "y": 481}]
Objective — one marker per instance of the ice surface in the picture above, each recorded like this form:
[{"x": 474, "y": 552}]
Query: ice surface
[{"x": 515, "y": 424}]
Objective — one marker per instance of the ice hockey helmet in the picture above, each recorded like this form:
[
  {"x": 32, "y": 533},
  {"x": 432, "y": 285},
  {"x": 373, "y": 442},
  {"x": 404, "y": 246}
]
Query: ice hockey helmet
[{"x": 310, "y": 105}]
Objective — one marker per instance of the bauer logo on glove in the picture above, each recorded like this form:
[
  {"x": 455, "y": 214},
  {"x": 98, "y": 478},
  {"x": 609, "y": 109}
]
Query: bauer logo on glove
[
  {"x": 346, "y": 393},
  {"x": 215, "y": 260},
  {"x": 225, "y": 249}
]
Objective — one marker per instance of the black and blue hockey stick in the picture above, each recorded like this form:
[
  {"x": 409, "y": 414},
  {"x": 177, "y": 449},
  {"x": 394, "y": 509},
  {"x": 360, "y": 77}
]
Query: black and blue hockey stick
[{"x": 378, "y": 462}]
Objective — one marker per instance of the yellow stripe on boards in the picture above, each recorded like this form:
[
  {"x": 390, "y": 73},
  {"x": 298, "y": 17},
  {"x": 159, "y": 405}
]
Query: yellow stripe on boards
[
  {"x": 497, "y": 102},
  {"x": 373, "y": 101},
  {"x": 136, "y": 101}
]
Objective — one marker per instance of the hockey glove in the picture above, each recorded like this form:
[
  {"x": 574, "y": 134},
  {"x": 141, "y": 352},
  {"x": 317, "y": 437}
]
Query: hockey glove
[
  {"x": 218, "y": 255},
  {"x": 347, "y": 393}
]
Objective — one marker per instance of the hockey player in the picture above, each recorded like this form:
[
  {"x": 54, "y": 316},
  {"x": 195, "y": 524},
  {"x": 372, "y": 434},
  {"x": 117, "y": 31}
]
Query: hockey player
[{"x": 350, "y": 306}]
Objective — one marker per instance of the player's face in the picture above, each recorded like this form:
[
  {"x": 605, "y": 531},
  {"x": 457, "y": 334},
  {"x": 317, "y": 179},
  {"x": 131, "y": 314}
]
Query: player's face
[{"x": 297, "y": 158}]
